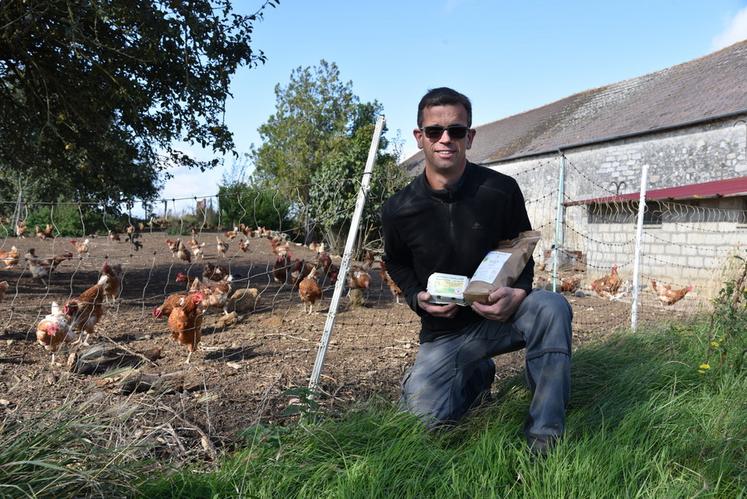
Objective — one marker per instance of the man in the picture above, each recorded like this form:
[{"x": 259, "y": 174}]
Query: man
[{"x": 446, "y": 220}]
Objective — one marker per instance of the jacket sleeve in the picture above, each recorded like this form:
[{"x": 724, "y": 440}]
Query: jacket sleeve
[
  {"x": 398, "y": 260},
  {"x": 520, "y": 223}
]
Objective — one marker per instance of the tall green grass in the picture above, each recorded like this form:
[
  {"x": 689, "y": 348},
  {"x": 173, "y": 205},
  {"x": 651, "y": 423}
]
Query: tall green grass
[
  {"x": 642, "y": 422},
  {"x": 65, "y": 453}
]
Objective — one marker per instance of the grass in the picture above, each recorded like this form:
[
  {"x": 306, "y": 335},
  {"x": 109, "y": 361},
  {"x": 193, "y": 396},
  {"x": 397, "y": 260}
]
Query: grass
[
  {"x": 65, "y": 453},
  {"x": 642, "y": 422}
]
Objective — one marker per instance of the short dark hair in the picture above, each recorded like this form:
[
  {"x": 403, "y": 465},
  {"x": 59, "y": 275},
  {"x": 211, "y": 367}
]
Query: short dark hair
[{"x": 444, "y": 96}]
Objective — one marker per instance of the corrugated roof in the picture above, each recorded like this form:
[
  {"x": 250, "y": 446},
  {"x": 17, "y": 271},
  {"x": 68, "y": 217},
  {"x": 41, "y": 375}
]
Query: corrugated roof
[
  {"x": 704, "y": 88},
  {"x": 716, "y": 188}
]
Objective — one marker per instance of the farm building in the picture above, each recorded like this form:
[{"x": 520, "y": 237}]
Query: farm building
[{"x": 688, "y": 123}]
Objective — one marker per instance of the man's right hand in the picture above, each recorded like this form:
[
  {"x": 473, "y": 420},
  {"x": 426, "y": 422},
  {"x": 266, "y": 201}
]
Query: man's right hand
[{"x": 445, "y": 311}]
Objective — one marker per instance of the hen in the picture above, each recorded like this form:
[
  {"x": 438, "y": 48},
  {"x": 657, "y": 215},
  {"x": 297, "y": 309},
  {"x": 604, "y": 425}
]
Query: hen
[
  {"x": 309, "y": 290},
  {"x": 215, "y": 295},
  {"x": 9, "y": 258},
  {"x": 368, "y": 259},
  {"x": 182, "y": 278},
  {"x": 245, "y": 229},
  {"x": 607, "y": 286},
  {"x": 316, "y": 247},
  {"x": 182, "y": 252},
  {"x": 278, "y": 246},
  {"x": 86, "y": 310},
  {"x": 45, "y": 233},
  {"x": 231, "y": 234},
  {"x": 185, "y": 322},
  {"x": 358, "y": 279},
  {"x": 173, "y": 247},
  {"x": 113, "y": 236},
  {"x": 667, "y": 295},
  {"x": 330, "y": 270},
  {"x": 299, "y": 270},
  {"x": 54, "y": 330},
  {"x": 3, "y": 288},
  {"x": 38, "y": 268},
  {"x": 222, "y": 246},
  {"x": 387, "y": 279},
  {"x": 244, "y": 245},
  {"x": 215, "y": 273},
  {"x": 571, "y": 283},
  {"x": 21, "y": 229},
  {"x": 113, "y": 286},
  {"x": 196, "y": 248},
  {"x": 168, "y": 305},
  {"x": 81, "y": 248},
  {"x": 280, "y": 268}
]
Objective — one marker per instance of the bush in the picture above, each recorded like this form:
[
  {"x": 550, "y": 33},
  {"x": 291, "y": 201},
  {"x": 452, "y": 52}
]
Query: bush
[
  {"x": 68, "y": 219},
  {"x": 727, "y": 336},
  {"x": 253, "y": 205}
]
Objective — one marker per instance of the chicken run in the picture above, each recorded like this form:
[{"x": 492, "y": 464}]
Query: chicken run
[{"x": 216, "y": 328}]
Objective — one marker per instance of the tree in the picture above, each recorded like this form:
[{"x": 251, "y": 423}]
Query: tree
[
  {"x": 313, "y": 109},
  {"x": 314, "y": 149},
  {"x": 334, "y": 186},
  {"x": 94, "y": 95}
]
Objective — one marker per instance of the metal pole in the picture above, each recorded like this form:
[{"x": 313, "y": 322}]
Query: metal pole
[
  {"x": 559, "y": 213},
  {"x": 345, "y": 263},
  {"x": 638, "y": 238},
  {"x": 18, "y": 206}
]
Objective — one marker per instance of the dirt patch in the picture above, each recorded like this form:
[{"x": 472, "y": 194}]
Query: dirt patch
[{"x": 240, "y": 376}]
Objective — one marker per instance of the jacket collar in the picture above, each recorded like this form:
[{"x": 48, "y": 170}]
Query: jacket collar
[{"x": 449, "y": 193}]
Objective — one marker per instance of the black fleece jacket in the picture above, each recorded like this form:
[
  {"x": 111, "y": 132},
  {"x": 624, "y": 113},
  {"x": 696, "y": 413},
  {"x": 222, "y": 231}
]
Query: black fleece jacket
[{"x": 450, "y": 231}]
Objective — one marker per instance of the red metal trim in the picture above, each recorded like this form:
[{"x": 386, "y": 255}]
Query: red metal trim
[{"x": 716, "y": 188}]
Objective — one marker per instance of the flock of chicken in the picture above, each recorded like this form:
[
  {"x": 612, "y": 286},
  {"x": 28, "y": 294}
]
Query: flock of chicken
[
  {"x": 74, "y": 321},
  {"x": 610, "y": 287}
]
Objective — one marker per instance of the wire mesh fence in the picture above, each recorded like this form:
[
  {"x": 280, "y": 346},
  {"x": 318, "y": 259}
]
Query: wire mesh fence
[{"x": 261, "y": 340}]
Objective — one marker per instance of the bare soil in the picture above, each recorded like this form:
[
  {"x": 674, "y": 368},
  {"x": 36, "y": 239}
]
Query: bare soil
[{"x": 241, "y": 375}]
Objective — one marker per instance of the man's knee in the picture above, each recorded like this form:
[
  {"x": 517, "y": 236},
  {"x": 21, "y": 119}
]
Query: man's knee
[
  {"x": 549, "y": 328},
  {"x": 551, "y": 304}
]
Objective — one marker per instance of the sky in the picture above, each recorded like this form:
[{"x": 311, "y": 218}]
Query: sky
[{"x": 507, "y": 57}]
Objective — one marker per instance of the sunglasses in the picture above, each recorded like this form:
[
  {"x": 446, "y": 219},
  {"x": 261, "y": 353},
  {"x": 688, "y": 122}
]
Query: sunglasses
[{"x": 435, "y": 132}]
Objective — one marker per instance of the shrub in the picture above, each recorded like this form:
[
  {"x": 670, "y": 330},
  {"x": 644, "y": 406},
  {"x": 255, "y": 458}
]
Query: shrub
[{"x": 69, "y": 219}]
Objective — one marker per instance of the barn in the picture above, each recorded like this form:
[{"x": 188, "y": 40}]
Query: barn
[{"x": 579, "y": 161}]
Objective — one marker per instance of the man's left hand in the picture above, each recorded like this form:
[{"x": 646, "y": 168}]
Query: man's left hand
[{"x": 502, "y": 303}]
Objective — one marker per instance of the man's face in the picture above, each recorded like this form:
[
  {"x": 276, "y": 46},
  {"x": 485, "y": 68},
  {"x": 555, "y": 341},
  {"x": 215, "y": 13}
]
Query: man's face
[{"x": 444, "y": 154}]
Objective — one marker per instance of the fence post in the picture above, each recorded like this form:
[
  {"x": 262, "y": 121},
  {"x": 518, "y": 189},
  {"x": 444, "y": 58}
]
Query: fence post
[
  {"x": 638, "y": 244},
  {"x": 345, "y": 263},
  {"x": 559, "y": 215}
]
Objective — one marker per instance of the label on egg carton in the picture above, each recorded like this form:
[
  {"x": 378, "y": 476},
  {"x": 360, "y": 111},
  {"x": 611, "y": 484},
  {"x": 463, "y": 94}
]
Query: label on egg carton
[{"x": 447, "y": 288}]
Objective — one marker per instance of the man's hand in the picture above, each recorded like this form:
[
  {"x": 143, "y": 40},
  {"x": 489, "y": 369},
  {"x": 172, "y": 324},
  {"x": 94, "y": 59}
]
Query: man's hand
[
  {"x": 445, "y": 311},
  {"x": 503, "y": 302}
]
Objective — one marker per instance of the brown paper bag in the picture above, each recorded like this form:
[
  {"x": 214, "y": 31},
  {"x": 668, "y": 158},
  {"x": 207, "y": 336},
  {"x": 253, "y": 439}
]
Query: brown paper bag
[{"x": 501, "y": 267}]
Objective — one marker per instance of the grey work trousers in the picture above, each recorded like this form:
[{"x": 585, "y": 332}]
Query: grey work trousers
[{"x": 451, "y": 371}]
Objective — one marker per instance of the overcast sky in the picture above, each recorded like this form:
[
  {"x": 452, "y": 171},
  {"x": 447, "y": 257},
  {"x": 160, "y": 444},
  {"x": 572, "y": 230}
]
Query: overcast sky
[{"x": 508, "y": 57}]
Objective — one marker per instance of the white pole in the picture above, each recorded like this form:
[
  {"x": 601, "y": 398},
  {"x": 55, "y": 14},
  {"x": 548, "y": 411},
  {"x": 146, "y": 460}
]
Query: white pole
[
  {"x": 638, "y": 244},
  {"x": 558, "y": 222},
  {"x": 345, "y": 263},
  {"x": 17, "y": 215}
]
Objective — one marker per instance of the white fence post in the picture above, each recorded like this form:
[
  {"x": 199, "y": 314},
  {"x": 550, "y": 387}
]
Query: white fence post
[
  {"x": 638, "y": 244},
  {"x": 346, "y": 256},
  {"x": 559, "y": 215}
]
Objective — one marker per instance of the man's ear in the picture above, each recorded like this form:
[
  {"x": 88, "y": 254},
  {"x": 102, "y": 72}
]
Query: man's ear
[
  {"x": 470, "y": 137},
  {"x": 418, "y": 133}
]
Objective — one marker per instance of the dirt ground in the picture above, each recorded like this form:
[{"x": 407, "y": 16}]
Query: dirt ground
[{"x": 243, "y": 371}]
